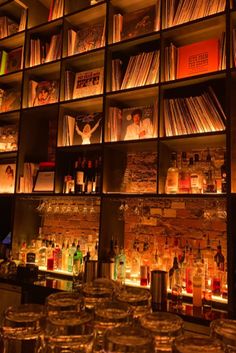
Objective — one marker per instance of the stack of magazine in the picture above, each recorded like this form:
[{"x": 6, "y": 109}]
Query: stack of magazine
[{"x": 42, "y": 51}]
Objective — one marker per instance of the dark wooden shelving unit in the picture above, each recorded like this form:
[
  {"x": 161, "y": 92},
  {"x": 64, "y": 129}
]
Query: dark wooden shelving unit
[{"x": 34, "y": 122}]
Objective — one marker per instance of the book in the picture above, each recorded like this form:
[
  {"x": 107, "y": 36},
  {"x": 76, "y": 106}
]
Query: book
[
  {"x": 138, "y": 22},
  {"x": 198, "y": 58},
  {"x": 14, "y": 60},
  {"x": 28, "y": 178},
  {"x": 69, "y": 84},
  {"x": 89, "y": 38},
  {"x": 88, "y": 128},
  {"x": 7, "y": 177},
  {"x": 44, "y": 92},
  {"x": 68, "y": 129},
  {"x": 8, "y": 138},
  {"x": 3, "y": 62},
  {"x": 88, "y": 83},
  {"x": 137, "y": 123}
]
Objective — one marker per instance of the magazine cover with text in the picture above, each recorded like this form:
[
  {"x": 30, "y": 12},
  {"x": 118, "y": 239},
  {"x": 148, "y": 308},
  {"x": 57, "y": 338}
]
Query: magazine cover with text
[
  {"x": 88, "y": 83},
  {"x": 88, "y": 128}
]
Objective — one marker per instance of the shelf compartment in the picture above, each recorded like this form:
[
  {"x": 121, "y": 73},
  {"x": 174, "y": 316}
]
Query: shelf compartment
[
  {"x": 120, "y": 109},
  {"x": 133, "y": 167},
  {"x": 92, "y": 28},
  {"x": 81, "y": 123},
  {"x": 215, "y": 144},
  {"x": 67, "y": 159},
  {"x": 73, "y": 6}
]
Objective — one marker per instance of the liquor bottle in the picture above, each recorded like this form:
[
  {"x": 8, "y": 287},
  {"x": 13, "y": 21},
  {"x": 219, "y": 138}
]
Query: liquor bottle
[
  {"x": 189, "y": 272},
  {"x": 77, "y": 260},
  {"x": 31, "y": 253},
  {"x": 42, "y": 254},
  {"x": 71, "y": 252},
  {"x": 223, "y": 171},
  {"x": 197, "y": 285},
  {"x": 97, "y": 182},
  {"x": 79, "y": 176},
  {"x": 219, "y": 258},
  {"x": 195, "y": 175},
  {"x": 184, "y": 175},
  {"x": 166, "y": 257},
  {"x": 57, "y": 258},
  {"x": 50, "y": 259},
  {"x": 23, "y": 253},
  {"x": 172, "y": 178},
  {"x": 175, "y": 283},
  {"x": 89, "y": 177},
  {"x": 210, "y": 176},
  {"x": 64, "y": 257},
  {"x": 121, "y": 266}
]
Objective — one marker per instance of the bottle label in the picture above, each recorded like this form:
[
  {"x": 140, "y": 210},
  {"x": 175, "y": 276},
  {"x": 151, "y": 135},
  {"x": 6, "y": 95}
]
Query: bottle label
[
  {"x": 30, "y": 257},
  {"x": 79, "y": 178}
]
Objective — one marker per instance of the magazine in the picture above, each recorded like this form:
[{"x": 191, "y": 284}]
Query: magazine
[
  {"x": 9, "y": 100},
  {"x": 7, "y": 178},
  {"x": 14, "y": 60},
  {"x": 44, "y": 92},
  {"x": 8, "y": 138},
  {"x": 88, "y": 83},
  {"x": 137, "y": 123},
  {"x": 138, "y": 22},
  {"x": 88, "y": 128},
  {"x": 89, "y": 38}
]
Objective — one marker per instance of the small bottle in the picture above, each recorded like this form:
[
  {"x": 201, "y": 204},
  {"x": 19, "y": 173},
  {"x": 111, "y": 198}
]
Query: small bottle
[
  {"x": 89, "y": 178},
  {"x": 172, "y": 178},
  {"x": 219, "y": 258},
  {"x": 42, "y": 255},
  {"x": 121, "y": 267},
  {"x": 71, "y": 252},
  {"x": 198, "y": 284},
  {"x": 22, "y": 253},
  {"x": 223, "y": 171}
]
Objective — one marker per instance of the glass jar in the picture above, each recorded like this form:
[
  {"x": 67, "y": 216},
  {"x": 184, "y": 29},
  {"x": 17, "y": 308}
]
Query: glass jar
[
  {"x": 107, "y": 316},
  {"x": 128, "y": 339},
  {"x": 69, "y": 332},
  {"x": 197, "y": 344},
  {"x": 225, "y": 331},
  {"x": 165, "y": 328},
  {"x": 138, "y": 298},
  {"x": 22, "y": 328},
  {"x": 63, "y": 301},
  {"x": 97, "y": 292}
]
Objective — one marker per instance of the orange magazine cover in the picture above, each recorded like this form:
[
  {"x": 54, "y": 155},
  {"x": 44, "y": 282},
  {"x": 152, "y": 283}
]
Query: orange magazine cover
[{"x": 198, "y": 58}]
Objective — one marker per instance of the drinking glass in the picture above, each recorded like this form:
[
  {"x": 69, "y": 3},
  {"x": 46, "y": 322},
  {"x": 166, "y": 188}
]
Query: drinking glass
[
  {"x": 165, "y": 327},
  {"x": 109, "y": 315},
  {"x": 138, "y": 298},
  {"x": 225, "y": 331},
  {"x": 22, "y": 328},
  {"x": 128, "y": 339},
  {"x": 63, "y": 301},
  {"x": 97, "y": 292},
  {"x": 197, "y": 344},
  {"x": 69, "y": 332}
]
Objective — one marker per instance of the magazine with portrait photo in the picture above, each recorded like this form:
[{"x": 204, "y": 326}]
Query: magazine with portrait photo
[
  {"x": 7, "y": 178},
  {"x": 88, "y": 128},
  {"x": 137, "y": 123},
  {"x": 44, "y": 92}
]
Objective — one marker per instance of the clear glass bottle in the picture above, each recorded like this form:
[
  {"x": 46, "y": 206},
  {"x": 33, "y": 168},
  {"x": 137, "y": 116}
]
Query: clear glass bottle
[
  {"x": 195, "y": 175},
  {"x": 172, "y": 178},
  {"x": 210, "y": 186},
  {"x": 184, "y": 175}
]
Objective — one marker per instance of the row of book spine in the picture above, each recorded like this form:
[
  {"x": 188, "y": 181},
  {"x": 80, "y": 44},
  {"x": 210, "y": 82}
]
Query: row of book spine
[
  {"x": 195, "y": 114},
  {"x": 142, "y": 69},
  {"x": 180, "y": 11},
  {"x": 42, "y": 51},
  {"x": 9, "y": 26}
]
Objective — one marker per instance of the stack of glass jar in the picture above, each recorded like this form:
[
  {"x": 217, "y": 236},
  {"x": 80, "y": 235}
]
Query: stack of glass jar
[{"x": 103, "y": 317}]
